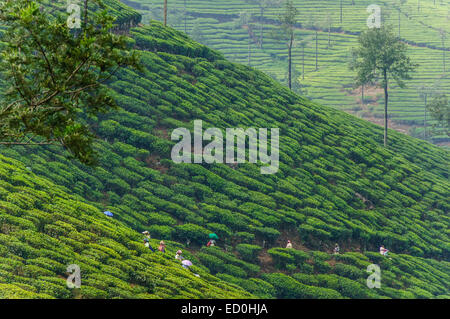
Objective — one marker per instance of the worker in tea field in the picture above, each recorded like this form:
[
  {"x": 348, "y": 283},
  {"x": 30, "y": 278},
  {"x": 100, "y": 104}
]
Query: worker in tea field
[
  {"x": 289, "y": 244},
  {"x": 336, "y": 249},
  {"x": 211, "y": 243},
  {"x": 162, "y": 246},
  {"x": 212, "y": 239},
  {"x": 147, "y": 240},
  {"x": 383, "y": 251},
  {"x": 147, "y": 244},
  {"x": 178, "y": 255},
  {"x": 146, "y": 234}
]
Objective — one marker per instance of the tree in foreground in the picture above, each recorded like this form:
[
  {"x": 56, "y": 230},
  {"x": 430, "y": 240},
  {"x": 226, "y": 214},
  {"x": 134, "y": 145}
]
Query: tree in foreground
[
  {"x": 380, "y": 57},
  {"x": 286, "y": 33},
  {"x": 55, "y": 76}
]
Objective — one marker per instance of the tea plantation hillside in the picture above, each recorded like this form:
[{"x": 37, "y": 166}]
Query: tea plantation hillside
[
  {"x": 335, "y": 184},
  {"x": 329, "y": 81},
  {"x": 43, "y": 229}
]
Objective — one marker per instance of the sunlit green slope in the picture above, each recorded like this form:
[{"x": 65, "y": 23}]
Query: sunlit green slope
[
  {"x": 215, "y": 23},
  {"x": 43, "y": 230},
  {"x": 336, "y": 184}
]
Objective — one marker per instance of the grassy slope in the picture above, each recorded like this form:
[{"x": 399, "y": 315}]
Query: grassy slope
[
  {"x": 331, "y": 83},
  {"x": 330, "y": 162}
]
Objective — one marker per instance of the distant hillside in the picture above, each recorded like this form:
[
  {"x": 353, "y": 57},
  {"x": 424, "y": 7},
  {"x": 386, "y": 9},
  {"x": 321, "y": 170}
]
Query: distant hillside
[
  {"x": 331, "y": 82},
  {"x": 336, "y": 184}
]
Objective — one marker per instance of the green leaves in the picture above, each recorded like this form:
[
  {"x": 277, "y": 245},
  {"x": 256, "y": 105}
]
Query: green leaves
[
  {"x": 56, "y": 76},
  {"x": 440, "y": 111},
  {"x": 380, "y": 56},
  {"x": 381, "y": 51},
  {"x": 288, "y": 19}
]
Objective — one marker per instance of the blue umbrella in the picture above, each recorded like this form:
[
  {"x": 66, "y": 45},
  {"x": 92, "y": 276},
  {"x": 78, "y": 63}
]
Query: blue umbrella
[{"x": 108, "y": 213}]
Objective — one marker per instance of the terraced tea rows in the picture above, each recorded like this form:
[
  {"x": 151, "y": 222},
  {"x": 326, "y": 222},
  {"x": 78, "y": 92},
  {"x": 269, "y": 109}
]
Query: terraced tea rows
[
  {"x": 331, "y": 83},
  {"x": 335, "y": 184}
]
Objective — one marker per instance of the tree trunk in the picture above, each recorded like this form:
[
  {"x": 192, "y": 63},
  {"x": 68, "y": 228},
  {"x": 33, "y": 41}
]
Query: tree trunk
[
  {"x": 443, "y": 51},
  {"x": 249, "y": 48},
  {"x": 290, "y": 61},
  {"x": 317, "y": 51},
  {"x": 425, "y": 119},
  {"x": 444, "y": 59},
  {"x": 165, "y": 12},
  {"x": 329, "y": 36},
  {"x": 261, "y": 28},
  {"x": 303, "y": 62},
  {"x": 386, "y": 98},
  {"x": 185, "y": 16},
  {"x": 85, "y": 18},
  {"x": 362, "y": 94}
]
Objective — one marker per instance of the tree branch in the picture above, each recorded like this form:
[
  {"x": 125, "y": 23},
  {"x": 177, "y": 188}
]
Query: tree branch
[
  {"x": 30, "y": 143},
  {"x": 50, "y": 69}
]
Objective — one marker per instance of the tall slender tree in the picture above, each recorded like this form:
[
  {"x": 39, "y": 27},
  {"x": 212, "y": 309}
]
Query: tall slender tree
[
  {"x": 425, "y": 92},
  {"x": 302, "y": 44},
  {"x": 439, "y": 108},
  {"x": 296, "y": 84},
  {"x": 329, "y": 24},
  {"x": 317, "y": 50},
  {"x": 380, "y": 57},
  {"x": 286, "y": 33},
  {"x": 443, "y": 35},
  {"x": 263, "y": 6},
  {"x": 165, "y": 12},
  {"x": 244, "y": 20},
  {"x": 185, "y": 17},
  {"x": 314, "y": 25},
  {"x": 400, "y": 3}
]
